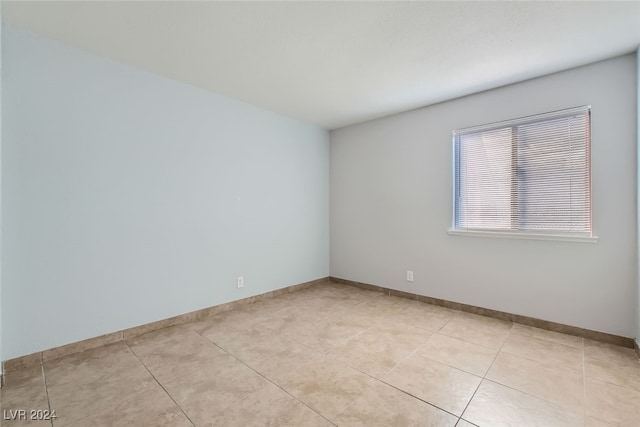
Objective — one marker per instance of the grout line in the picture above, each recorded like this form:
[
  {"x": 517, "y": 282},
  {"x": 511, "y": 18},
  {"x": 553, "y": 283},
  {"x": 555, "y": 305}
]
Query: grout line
[
  {"x": 343, "y": 342},
  {"x": 559, "y": 405},
  {"x": 396, "y": 388},
  {"x": 432, "y": 333},
  {"x": 393, "y": 386},
  {"x": 359, "y": 395},
  {"x": 548, "y": 365},
  {"x": 46, "y": 391},
  {"x": 484, "y": 377},
  {"x": 446, "y": 323},
  {"x": 161, "y": 386},
  {"x": 446, "y": 363},
  {"x": 555, "y": 403},
  {"x": 350, "y": 404},
  {"x": 605, "y": 381},
  {"x": 269, "y": 380},
  {"x": 409, "y": 355},
  {"x": 471, "y": 398},
  {"x": 466, "y": 421},
  {"x": 418, "y": 398},
  {"x": 263, "y": 376},
  {"x": 498, "y": 352}
]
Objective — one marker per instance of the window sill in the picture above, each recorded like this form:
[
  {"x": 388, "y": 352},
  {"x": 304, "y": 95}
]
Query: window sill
[{"x": 526, "y": 236}]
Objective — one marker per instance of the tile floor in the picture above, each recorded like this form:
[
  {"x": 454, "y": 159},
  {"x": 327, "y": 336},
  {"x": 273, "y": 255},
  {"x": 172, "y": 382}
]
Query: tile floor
[{"x": 337, "y": 355}]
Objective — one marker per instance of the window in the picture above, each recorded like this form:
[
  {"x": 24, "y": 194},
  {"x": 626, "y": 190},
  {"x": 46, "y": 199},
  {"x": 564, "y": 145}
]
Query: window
[{"x": 525, "y": 176}]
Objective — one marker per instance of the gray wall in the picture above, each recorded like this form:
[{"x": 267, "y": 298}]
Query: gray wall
[
  {"x": 129, "y": 198},
  {"x": 638, "y": 196},
  {"x": 391, "y": 206}
]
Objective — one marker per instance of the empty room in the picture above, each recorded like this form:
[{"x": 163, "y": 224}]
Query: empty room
[{"x": 320, "y": 213}]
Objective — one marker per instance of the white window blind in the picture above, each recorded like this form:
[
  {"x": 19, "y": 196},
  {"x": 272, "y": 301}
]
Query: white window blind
[{"x": 527, "y": 175}]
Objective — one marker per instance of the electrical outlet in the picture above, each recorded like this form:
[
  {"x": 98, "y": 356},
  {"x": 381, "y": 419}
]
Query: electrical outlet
[
  {"x": 240, "y": 282},
  {"x": 409, "y": 276}
]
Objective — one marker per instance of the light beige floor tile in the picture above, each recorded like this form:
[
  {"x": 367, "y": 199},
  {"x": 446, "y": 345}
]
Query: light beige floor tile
[
  {"x": 348, "y": 292},
  {"x": 327, "y": 386},
  {"x": 497, "y": 405},
  {"x": 427, "y": 316},
  {"x": 382, "y": 306},
  {"x": 337, "y": 292},
  {"x": 460, "y": 354},
  {"x": 279, "y": 322},
  {"x": 91, "y": 365},
  {"x": 171, "y": 336},
  {"x": 241, "y": 315},
  {"x": 78, "y": 399},
  {"x": 26, "y": 396},
  {"x": 434, "y": 382},
  {"x": 171, "y": 353},
  {"x": 24, "y": 391},
  {"x": 383, "y": 405},
  {"x": 609, "y": 352},
  {"x": 268, "y": 406},
  {"x": 319, "y": 310},
  {"x": 480, "y": 330},
  {"x": 313, "y": 312},
  {"x": 354, "y": 317},
  {"x": 594, "y": 422},
  {"x": 322, "y": 304},
  {"x": 204, "y": 394},
  {"x": 323, "y": 336},
  {"x": 379, "y": 349},
  {"x": 315, "y": 335},
  {"x": 555, "y": 385},
  {"x": 151, "y": 408},
  {"x": 400, "y": 333},
  {"x": 85, "y": 383},
  {"x": 547, "y": 352},
  {"x": 272, "y": 305},
  {"x": 373, "y": 312},
  {"x": 557, "y": 337},
  {"x": 273, "y": 355},
  {"x": 611, "y": 403},
  {"x": 464, "y": 423},
  {"x": 225, "y": 328},
  {"x": 20, "y": 377},
  {"x": 385, "y": 300},
  {"x": 622, "y": 374},
  {"x": 370, "y": 354}
]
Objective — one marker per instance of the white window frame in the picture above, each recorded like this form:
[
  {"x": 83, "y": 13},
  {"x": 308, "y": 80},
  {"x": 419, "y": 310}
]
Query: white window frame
[{"x": 517, "y": 234}]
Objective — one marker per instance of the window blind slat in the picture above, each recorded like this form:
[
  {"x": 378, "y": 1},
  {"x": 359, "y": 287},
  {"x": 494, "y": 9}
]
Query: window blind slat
[{"x": 530, "y": 174}]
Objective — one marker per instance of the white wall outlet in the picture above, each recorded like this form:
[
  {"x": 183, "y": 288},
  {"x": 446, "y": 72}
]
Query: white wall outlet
[
  {"x": 240, "y": 282},
  {"x": 409, "y": 276}
]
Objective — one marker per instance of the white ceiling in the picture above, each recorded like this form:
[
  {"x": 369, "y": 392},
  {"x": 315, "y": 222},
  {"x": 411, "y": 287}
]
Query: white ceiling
[{"x": 338, "y": 63}]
